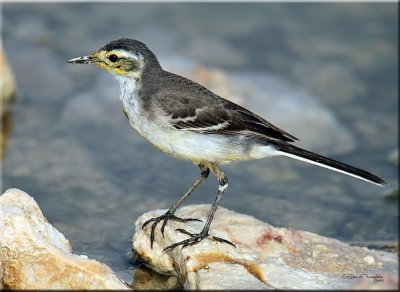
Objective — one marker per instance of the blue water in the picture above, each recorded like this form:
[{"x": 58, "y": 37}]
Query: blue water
[{"x": 71, "y": 148}]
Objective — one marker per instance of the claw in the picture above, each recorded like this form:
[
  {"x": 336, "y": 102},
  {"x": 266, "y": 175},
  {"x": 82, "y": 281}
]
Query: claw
[
  {"x": 219, "y": 239},
  {"x": 153, "y": 227},
  {"x": 163, "y": 226},
  {"x": 165, "y": 217},
  {"x": 184, "y": 231},
  {"x": 195, "y": 238},
  {"x": 148, "y": 221}
]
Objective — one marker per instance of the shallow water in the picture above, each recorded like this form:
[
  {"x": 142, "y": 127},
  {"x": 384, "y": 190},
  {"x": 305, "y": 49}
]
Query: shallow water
[{"x": 71, "y": 148}]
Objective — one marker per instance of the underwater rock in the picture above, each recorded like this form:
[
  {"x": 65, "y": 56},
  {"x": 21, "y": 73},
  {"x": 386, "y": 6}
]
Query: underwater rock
[{"x": 7, "y": 83}]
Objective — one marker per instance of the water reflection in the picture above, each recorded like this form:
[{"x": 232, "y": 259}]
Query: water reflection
[{"x": 7, "y": 121}]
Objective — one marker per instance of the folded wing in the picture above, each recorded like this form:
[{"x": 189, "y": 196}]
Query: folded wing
[{"x": 218, "y": 116}]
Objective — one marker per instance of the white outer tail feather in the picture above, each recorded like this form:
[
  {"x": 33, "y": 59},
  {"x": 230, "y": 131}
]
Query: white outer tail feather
[{"x": 326, "y": 166}]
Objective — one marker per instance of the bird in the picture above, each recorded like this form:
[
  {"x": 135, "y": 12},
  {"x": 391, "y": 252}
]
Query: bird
[{"x": 188, "y": 121}]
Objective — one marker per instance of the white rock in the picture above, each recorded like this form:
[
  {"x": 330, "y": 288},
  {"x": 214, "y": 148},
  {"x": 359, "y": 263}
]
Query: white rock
[
  {"x": 369, "y": 260},
  {"x": 35, "y": 255},
  {"x": 265, "y": 257}
]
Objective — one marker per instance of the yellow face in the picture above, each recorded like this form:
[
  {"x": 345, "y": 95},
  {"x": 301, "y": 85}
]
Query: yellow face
[{"x": 117, "y": 62}]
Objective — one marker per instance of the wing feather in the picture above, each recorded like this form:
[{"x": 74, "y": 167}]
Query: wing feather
[{"x": 193, "y": 107}]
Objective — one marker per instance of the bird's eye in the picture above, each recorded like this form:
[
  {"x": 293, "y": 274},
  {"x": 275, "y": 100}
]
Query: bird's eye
[{"x": 113, "y": 58}]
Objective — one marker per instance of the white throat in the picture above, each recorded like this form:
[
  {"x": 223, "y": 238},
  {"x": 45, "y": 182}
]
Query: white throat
[
  {"x": 129, "y": 88},
  {"x": 129, "y": 97},
  {"x": 132, "y": 105}
]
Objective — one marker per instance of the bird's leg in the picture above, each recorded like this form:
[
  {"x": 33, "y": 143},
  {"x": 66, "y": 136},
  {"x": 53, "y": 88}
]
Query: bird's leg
[
  {"x": 169, "y": 215},
  {"x": 197, "y": 237}
]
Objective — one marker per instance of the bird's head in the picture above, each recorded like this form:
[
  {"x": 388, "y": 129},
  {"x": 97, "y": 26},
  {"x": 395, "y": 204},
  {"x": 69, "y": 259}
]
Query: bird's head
[{"x": 122, "y": 57}]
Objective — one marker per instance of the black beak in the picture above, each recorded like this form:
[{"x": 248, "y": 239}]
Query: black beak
[{"x": 83, "y": 60}]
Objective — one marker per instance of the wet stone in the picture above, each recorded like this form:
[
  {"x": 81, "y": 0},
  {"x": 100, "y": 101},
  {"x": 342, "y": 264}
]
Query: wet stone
[
  {"x": 35, "y": 255},
  {"x": 265, "y": 257}
]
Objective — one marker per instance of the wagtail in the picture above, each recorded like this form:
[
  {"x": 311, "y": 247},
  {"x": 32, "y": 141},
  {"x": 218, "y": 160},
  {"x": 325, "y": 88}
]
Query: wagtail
[{"x": 186, "y": 120}]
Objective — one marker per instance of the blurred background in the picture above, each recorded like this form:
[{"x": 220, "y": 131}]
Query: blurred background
[{"x": 326, "y": 73}]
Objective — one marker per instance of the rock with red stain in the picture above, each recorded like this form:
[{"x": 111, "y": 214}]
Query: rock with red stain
[
  {"x": 265, "y": 257},
  {"x": 35, "y": 255}
]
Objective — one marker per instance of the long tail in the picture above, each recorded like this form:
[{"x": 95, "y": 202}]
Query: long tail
[{"x": 310, "y": 157}]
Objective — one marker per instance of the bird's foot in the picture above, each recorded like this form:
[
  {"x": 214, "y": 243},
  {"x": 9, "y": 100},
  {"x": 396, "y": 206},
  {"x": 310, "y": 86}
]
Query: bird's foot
[
  {"x": 196, "y": 238},
  {"x": 165, "y": 217}
]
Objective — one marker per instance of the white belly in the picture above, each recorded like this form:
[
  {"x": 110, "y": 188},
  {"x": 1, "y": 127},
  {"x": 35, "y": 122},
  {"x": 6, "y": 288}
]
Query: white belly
[
  {"x": 197, "y": 147},
  {"x": 185, "y": 144}
]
